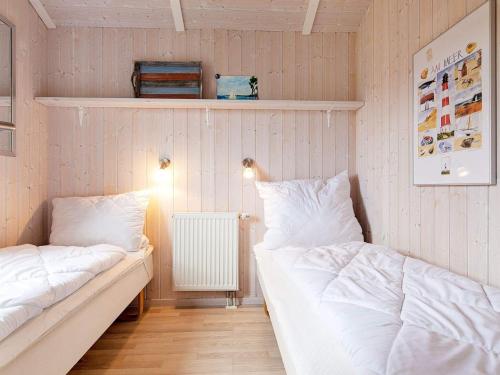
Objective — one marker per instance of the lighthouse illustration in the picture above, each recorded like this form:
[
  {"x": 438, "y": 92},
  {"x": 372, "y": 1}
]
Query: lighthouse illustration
[{"x": 445, "y": 106}]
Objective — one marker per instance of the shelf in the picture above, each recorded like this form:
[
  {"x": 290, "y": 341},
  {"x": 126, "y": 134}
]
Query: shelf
[{"x": 290, "y": 105}]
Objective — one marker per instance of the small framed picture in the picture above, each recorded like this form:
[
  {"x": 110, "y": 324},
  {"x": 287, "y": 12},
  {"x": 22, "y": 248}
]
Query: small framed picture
[{"x": 237, "y": 87}]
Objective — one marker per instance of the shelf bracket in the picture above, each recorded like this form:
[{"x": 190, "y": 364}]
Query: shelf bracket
[
  {"x": 207, "y": 117},
  {"x": 329, "y": 118},
  {"x": 81, "y": 115}
]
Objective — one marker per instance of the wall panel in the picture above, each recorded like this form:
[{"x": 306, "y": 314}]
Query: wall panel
[
  {"x": 453, "y": 227},
  {"x": 23, "y": 179},
  {"x": 124, "y": 145}
]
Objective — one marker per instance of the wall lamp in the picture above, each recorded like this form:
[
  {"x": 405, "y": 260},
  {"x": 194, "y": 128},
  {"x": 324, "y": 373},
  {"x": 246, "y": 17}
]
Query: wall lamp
[
  {"x": 162, "y": 175},
  {"x": 164, "y": 163},
  {"x": 248, "y": 170}
]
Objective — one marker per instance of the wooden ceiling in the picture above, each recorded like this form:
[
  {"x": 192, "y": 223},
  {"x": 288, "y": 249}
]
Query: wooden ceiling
[{"x": 268, "y": 15}]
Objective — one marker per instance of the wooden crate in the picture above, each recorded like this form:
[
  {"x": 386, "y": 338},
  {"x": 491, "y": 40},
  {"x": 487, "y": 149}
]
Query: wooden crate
[{"x": 166, "y": 79}]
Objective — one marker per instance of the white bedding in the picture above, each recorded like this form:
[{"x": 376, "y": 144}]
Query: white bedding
[
  {"x": 307, "y": 347},
  {"x": 308, "y": 212},
  {"x": 397, "y": 315},
  {"x": 34, "y": 278}
]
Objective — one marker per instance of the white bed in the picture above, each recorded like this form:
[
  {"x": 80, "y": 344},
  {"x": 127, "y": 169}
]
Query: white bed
[
  {"x": 52, "y": 342},
  {"x": 358, "y": 308},
  {"x": 294, "y": 320}
]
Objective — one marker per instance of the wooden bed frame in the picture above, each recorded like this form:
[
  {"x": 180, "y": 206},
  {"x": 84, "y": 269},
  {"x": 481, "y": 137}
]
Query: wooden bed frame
[{"x": 60, "y": 349}]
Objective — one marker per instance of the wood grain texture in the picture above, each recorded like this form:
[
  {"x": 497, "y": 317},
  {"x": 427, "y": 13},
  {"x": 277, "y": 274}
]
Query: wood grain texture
[
  {"x": 453, "y": 227},
  {"x": 42, "y": 13},
  {"x": 23, "y": 179},
  {"x": 291, "y": 105},
  {"x": 117, "y": 149},
  {"x": 267, "y": 15},
  {"x": 187, "y": 341}
]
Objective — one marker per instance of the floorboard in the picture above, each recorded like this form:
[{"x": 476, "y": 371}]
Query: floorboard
[{"x": 187, "y": 341}]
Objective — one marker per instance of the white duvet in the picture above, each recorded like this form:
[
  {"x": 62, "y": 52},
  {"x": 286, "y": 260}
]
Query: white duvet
[
  {"x": 397, "y": 315},
  {"x": 34, "y": 278}
]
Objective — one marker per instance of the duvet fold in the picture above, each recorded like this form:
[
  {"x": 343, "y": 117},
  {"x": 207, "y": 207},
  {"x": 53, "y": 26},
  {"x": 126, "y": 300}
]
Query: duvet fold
[
  {"x": 34, "y": 278},
  {"x": 394, "y": 314}
]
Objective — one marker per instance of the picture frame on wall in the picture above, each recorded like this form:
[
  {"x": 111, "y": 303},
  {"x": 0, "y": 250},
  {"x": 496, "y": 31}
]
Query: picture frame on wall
[{"x": 454, "y": 101}]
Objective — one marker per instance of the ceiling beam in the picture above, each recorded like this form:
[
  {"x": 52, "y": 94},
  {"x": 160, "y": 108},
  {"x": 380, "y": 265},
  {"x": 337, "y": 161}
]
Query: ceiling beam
[
  {"x": 312, "y": 8},
  {"x": 42, "y": 13},
  {"x": 177, "y": 14}
]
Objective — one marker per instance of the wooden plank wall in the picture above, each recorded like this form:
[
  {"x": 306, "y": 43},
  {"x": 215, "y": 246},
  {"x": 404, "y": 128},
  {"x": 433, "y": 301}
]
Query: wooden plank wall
[
  {"x": 118, "y": 150},
  {"x": 265, "y": 15},
  {"x": 23, "y": 179},
  {"x": 455, "y": 227}
]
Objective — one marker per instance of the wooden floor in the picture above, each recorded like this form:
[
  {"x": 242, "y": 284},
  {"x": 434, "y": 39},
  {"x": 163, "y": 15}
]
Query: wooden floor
[{"x": 187, "y": 341}]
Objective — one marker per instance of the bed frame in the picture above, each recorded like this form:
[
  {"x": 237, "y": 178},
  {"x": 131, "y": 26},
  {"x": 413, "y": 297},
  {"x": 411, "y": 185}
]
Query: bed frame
[
  {"x": 61, "y": 348},
  {"x": 272, "y": 291},
  {"x": 278, "y": 330}
]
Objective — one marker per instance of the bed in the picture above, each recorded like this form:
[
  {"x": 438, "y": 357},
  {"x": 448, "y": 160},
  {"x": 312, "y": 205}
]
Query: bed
[
  {"x": 358, "y": 308},
  {"x": 293, "y": 321},
  {"x": 339, "y": 305},
  {"x": 53, "y": 341}
]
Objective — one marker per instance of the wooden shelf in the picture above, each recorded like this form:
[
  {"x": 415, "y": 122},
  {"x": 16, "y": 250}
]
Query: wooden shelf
[{"x": 291, "y": 105}]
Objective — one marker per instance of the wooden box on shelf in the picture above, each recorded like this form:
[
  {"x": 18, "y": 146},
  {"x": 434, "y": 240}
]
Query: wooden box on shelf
[{"x": 167, "y": 80}]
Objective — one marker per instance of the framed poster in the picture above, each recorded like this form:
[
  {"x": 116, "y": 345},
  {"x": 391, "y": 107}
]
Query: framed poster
[{"x": 454, "y": 117}]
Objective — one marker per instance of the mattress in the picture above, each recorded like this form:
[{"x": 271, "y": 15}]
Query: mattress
[
  {"x": 51, "y": 318},
  {"x": 386, "y": 312},
  {"x": 306, "y": 344}
]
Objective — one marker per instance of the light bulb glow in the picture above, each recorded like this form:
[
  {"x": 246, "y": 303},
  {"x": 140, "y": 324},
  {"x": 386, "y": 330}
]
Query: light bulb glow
[
  {"x": 162, "y": 176},
  {"x": 248, "y": 173}
]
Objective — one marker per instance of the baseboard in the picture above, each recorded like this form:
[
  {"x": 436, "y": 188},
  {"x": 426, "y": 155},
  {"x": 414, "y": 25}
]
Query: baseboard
[{"x": 204, "y": 302}]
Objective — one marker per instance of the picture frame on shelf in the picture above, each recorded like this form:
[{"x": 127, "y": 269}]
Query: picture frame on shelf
[{"x": 237, "y": 87}]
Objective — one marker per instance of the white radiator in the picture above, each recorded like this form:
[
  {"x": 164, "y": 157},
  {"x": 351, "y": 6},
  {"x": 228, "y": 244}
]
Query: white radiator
[{"x": 205, "y": 251}]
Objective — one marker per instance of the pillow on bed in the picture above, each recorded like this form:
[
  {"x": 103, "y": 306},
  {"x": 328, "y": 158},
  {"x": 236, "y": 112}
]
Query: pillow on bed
[
  {"x": 116, "y": 220},
  {"x": 308, "y": 212}
]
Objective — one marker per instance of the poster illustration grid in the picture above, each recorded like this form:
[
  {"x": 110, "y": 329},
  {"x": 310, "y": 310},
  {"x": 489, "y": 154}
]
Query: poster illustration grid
[
  {"x": 450, "y": 106},
  {"x": 454, "y": 112}
]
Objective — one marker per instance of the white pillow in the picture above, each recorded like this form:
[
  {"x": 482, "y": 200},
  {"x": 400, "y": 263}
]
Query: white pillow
[
  {"x": 116, "y": 220},
  {"x": 308, "y": 213}
]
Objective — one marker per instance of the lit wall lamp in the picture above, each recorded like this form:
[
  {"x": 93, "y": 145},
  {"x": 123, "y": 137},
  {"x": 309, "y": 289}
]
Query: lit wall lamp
[
  {"x": 164, "y": 163},
  {"x": 162, "y": 172},
  {"x": 248, "y": 171}
]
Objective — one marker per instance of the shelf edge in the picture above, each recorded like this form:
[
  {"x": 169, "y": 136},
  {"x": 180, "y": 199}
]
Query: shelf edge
[{"x": 291, "y": 105}]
